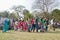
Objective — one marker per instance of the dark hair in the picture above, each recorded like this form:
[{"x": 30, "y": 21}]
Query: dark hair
[
  {"x": 19, "y": 20},
  {"x": 23, "y": 21},
  {"x": 16, "y": 19}
]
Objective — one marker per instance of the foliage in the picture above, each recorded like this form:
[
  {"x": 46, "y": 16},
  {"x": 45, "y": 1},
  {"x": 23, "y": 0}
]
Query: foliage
[
  {"x": 4, "y": 14},
  {"x": 27, "y": 14},
  {"x": 18, "y": 9},
  {"x": 56, "y": 14},
  {"x": 44, "y": 5},
  {"x": 8, "y": 15},
  {"x": 13, "y": 15}
]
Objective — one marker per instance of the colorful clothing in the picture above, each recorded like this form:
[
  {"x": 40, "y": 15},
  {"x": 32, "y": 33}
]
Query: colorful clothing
[
  {"x": 16, "y": 25},
  {"x": 5, "y": 25},
  {"x": 41, "y": 24},
  {"x": 24, "y": 26}
]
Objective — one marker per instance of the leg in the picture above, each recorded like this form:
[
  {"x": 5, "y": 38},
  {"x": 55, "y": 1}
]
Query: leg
[
  {"x": 29, "y": 28},
  {"x": 46, "y": 27},
  {"x": 42, "y": 28},
  {"x": 36, "y": 27},
  {"x": 4, "y": 29}
]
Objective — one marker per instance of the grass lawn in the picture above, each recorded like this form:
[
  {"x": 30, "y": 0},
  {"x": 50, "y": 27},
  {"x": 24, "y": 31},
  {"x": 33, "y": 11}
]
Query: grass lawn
[{"x": 15, "y": 35}]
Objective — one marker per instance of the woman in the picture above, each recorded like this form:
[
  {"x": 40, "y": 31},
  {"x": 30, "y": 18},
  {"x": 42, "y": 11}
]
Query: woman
[
  {"x": 5, "y": 25},
  {"x": 20, "y": 25},
  {"x": 24, "y": 24},
  {"x": 16, "y": 25}
]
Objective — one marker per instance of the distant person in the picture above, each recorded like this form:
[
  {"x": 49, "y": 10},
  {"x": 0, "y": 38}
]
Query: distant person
[
  {"x": 52, "y": 23},
  {"x": 5, "y": 25},
  {"x": 28, "y": 25},
  {"x": 10, "y": 23},
  {"x": 32, "y": 24},
  {"x": 46, "y": 23},
  {"x": 16, "y": 25},
  {"x": 19, "y": 25},
  {"x": 36, "y": 22},
  {"x": 41, "y": 24},
  {"x": 24, "y": 24}
]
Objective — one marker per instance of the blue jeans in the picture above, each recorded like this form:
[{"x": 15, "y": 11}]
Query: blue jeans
[
  {"x": 42, "y": 27},
  {"x": 29, "y": 28},
  {"x": 36, "y": 27},
  {"x": 33, "y": 27}
]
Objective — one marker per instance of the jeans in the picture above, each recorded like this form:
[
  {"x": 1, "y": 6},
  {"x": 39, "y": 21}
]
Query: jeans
[{"x": 36, "y": 27}]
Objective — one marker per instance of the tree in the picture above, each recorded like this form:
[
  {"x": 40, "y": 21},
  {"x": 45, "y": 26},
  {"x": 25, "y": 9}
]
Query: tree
[
  {"x": 13, "y": 16},
  {"x": 27, "y": 14},
  {"x": 45, "y": 5},
  {"x": 18, "y": 9},
  {"x": 55, "y": 14},
  {"x": 4, "y": 14}
]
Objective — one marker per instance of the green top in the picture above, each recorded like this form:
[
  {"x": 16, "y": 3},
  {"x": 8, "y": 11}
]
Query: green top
[{"x": 41, "y": 21}]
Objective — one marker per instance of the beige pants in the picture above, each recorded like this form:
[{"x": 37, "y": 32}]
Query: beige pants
[{"x": 50, "y": 27}]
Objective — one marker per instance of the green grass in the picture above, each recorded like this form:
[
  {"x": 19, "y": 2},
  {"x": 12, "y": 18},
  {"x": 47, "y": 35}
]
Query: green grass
[{"x": 15, "y": 35}]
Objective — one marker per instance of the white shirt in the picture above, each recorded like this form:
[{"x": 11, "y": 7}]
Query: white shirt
[
  {"x": 16, "y": 23},
  {"x": 51, "y": 21}
]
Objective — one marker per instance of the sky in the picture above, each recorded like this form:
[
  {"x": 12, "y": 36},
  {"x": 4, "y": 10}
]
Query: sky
[{"x": 6, "y": 4}]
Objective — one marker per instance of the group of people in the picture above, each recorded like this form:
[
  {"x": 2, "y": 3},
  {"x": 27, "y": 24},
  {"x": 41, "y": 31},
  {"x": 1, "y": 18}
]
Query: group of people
[{"x": 32, "y": 24}]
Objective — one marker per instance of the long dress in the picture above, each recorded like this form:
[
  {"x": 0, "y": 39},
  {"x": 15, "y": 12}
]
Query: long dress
[
  {"x": 20, "y": 24},
  {"x": 24, "y": 26},
  {"x": 5, "y": 25}
]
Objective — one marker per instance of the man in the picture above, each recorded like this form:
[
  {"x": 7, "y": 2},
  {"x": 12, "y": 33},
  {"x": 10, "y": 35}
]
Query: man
[
  {"x": 32, "y": 24},
  {"x": 28, "y": 25},
  {"x": 41, "y": 24},
  {"x": 46, "y": 23},
  {"x": 36, "y": 24}
]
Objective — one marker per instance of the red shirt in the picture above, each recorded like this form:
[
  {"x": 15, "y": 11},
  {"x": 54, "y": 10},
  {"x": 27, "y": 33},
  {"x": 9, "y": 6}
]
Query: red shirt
[
  {"x": 32, "y": 21},
  {"x": 24, "y": 26},
  {"x": 19, "y": 24}
]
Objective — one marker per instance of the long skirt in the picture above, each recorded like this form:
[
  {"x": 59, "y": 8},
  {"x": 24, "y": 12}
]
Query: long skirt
[{"x": 5, "y": 28}]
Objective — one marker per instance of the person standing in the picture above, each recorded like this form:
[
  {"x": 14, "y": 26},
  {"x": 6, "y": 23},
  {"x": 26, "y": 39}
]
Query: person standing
[
  {"x": 16, "y": 25},
  {"x": 5, "y": 25},
  {"x": 36, "y": 21},
  {"x": 32, "y": 24},
  {"x": 52, "y": 23},
  {"x": 46, "y": 23},
  {"x": 41, "y": 24},
  {"x": 28, "y": 25},
  {"x": 19, "y": 26},
  {"x": 24, "y": 24}
]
